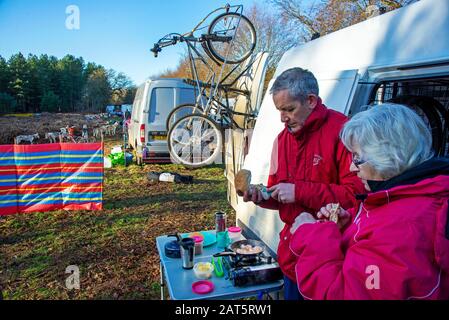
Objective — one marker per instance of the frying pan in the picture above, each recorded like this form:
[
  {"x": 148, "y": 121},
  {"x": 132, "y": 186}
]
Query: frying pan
[{"x": 236, "y": 245}]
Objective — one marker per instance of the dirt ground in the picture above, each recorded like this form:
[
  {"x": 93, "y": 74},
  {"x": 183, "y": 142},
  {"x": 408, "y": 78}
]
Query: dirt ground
[
  {"x": 115, "y": 248},
  {"x": 42, "y": 123}
]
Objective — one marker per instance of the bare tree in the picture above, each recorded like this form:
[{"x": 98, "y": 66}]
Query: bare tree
[{"x": 326, "y": 16}]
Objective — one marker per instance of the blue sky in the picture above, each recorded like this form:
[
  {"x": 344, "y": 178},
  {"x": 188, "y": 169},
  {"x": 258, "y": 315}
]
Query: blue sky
[{"x": 115, "y": 34}]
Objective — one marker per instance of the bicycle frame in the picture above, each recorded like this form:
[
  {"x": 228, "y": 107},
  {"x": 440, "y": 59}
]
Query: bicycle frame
[{"x": 214, "y": 81}]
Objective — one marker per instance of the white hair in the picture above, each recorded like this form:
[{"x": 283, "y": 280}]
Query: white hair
[{"x": 392, "y": 137}]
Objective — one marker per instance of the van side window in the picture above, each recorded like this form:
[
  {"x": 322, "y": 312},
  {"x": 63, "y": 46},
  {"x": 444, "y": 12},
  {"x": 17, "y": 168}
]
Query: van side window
[
  {"x": 428, "y": 98},
  {"x": 161, "y": 103},
  {"x": 137, "y": 102},
  {"x": 186, "y": 96}
]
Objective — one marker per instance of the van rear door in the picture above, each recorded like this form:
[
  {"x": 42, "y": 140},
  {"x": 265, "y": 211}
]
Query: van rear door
[
  {"x": 135, "y": 115},
  {"x": 162, "y": 102}
]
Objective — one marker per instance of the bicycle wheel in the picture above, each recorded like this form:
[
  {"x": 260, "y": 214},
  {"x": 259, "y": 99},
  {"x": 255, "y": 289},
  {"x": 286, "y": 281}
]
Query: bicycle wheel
[
  {"x": 240, "y": 29},
  {"x": 194, "y": 141},
  {"x": 180, "y": 112},
  {"x": 426, "y": 108}
]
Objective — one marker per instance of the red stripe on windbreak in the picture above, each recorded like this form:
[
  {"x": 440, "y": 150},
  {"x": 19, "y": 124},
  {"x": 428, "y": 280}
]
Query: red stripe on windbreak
[
  {"x": 31, "y": 148},
  {"x": 6, "y": 211},
  {"x": 55, "y": 165},
  {"x": 86, "y": 206},
  {"x": 58, "y": 170},
  {"x": 51, "y": 207},
  {"x": 64, "y": 185},
  {"x": 7, "y": 167},
  {"x": 24, "y": 191},
  {"x": 7, "y": 148},
  {"x": 39, "y": 208},
  {"x": 26, "y": 148},
  {"x": 80, "y": 146},
  {"x": 5, "y": 192},
  {"x": 99, "y": 170}
]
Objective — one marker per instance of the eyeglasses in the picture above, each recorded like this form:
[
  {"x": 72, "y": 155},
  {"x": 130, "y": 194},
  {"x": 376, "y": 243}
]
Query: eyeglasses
[{"x": 357, "y": 160}]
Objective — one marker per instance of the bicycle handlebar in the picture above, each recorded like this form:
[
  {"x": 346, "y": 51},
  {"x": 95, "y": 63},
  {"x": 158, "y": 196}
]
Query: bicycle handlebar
[{"x": 162, "y": 44}]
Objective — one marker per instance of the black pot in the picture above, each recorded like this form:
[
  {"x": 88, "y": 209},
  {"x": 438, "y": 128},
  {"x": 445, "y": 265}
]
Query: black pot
[{"x": 172, "y": 248}]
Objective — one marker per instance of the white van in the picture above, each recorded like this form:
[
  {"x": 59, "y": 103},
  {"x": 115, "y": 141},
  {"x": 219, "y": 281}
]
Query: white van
[
  {"x": 400, "y": 56},
  {"x": 147, "y": 132}
]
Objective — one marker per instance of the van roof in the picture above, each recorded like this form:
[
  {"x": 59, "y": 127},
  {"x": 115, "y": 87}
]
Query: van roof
[
  {"x": 413, "y": 35},
  {"x": 168, "y": 80}
]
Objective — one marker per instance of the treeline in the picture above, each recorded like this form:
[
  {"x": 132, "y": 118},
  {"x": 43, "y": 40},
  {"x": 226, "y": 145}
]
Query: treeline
[
  {"x": 49, "y": 84},
  {"x": 283, "y": 24}
]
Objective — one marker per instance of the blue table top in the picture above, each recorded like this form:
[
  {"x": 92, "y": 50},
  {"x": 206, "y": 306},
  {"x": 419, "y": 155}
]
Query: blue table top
[{"x": 179, "y": 281}]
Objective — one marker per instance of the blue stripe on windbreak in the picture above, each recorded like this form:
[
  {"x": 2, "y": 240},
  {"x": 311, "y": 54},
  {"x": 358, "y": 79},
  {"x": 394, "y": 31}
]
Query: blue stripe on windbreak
[
  {"x": 62, "y": 175},
  {"x": 28, "y": 162},
  {"x": 35, "y": 196},
  {"x": 7, "y": 162},
  {"x": 58, "y": 160},
  {"x": 8, "y": 183},
  {"x": 31, "y": 182},
  {"x": 82, "y": 181},
  {"x": 35, "y": 154},
  {"x": 81, "y": 152},
  {"x": 83, "y": 160},
  {"x": 7, "y": 176},
  {"x": 40, "y": 202},
  {"x": 82, "y": 174},
  {"x": 8, "y": 197},
  {"x": 11, "y": 204}
]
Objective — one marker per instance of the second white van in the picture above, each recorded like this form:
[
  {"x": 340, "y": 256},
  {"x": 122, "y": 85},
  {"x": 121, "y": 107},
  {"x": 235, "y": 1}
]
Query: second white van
[{"x": 147, "y": 132}]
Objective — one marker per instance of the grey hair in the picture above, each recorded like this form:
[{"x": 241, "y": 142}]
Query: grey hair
[
  {"x": 299, "y": 83},
  {"x": 391, "y": 137}
]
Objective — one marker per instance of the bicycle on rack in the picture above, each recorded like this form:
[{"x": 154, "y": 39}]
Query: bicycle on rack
[{"x": 194, "y": 130}]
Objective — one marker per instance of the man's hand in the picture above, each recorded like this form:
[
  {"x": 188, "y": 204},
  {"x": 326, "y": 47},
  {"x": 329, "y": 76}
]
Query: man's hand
[
  {"x": 283, "y": 192},
  {"x": 303, "y": 218},
  {"x": 343, "y": 216},
  {"x": 253, "y": 195}
]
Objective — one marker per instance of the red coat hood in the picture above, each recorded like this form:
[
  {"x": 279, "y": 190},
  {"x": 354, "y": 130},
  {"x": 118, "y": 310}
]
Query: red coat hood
[{"x": 435, "y": 187}]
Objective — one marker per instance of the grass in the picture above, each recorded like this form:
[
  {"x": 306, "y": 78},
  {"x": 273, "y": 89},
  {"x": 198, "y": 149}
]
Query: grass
[{"x": 115, "y": 248}]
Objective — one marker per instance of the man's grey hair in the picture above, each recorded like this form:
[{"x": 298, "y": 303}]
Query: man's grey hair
[
  {"x": 299, "y": 83},
  {"x": 392, "y": 138}
]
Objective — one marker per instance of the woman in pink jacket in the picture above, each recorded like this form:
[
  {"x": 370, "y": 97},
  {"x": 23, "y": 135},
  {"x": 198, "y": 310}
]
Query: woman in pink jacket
[{"x": 395, "y": 244}]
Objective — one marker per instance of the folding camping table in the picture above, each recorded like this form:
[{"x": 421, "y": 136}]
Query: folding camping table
[{"x": 179, "y": 281}]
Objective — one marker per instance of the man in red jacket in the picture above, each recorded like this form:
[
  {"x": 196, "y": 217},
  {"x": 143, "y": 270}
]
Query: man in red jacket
[{"x": 309, "y": 165}]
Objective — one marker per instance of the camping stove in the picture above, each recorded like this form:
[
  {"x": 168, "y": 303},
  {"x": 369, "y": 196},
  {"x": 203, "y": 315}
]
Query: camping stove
[{"x": 247, "y": 272}]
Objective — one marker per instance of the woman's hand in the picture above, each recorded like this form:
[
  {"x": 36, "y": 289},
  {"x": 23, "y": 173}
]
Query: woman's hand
[
  {"x": 343, "y": 216},
  {"x": 283, "y": 192},
  {"x": 302, "y": 219}
]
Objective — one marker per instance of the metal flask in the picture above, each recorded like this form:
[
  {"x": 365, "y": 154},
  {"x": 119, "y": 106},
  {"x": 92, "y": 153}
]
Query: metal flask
[
  {"x": 220, "y": 221},
  {"x": 187, "y": 252}
]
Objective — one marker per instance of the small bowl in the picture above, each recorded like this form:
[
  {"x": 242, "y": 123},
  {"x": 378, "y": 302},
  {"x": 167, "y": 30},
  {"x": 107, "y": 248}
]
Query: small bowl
[{"x": 203, "y": 270}]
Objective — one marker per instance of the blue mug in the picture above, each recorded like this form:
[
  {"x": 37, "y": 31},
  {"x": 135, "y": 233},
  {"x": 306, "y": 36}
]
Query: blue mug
[{"x": 223, "y": 239}]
